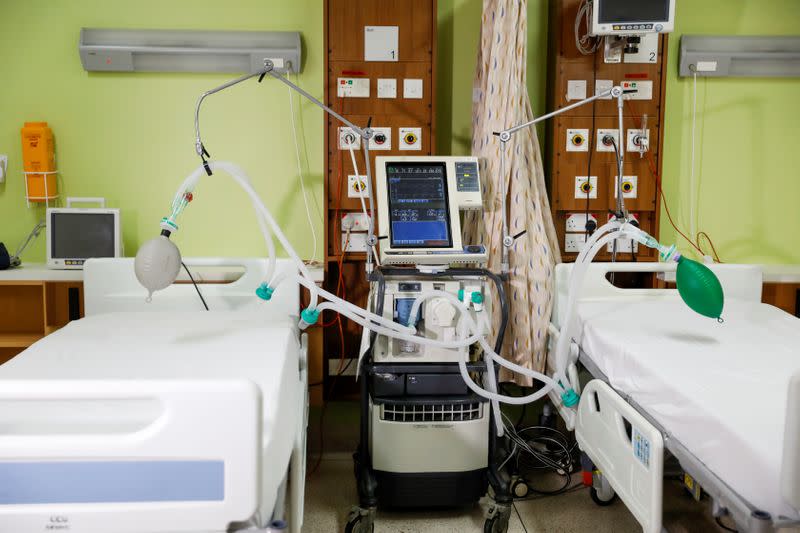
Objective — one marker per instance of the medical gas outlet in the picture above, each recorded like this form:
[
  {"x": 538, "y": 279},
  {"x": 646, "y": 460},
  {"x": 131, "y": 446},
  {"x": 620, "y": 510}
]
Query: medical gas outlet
[
  {"x": 410, "y": 138},
  {"x": 638, "y": 141},
  {"x": 349, "y": 139},
  {"x": 577, "y": 140},
  {"x": 606, "y": 138}
]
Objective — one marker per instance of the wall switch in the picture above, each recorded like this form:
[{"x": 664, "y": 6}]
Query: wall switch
[
  {"x": 412, "y": 88},
  {"x": 381, "y": 139},
  {"x": 353, "y": 88},
  {"x": 355, "y": 221},
  {"x": 577, "y": 221},
  {"x": 3, "y": 167},
  {"x": 643, "y": 88},
  {"x": 576, "y": 90},
  {"x": 603, "y": 85},
  {"x": 355, "y": 185},
  {"x": 356, "y": 243},
  {"x": 410, "y": 138},
  {"x": 577, "y": 140},
  {"x": 585, "y": 188},
  {"x": 574, "y": 242},
  {"x": 603, "y": 143},
  {"x": 387, "y": 88},
  {"x": 630, "y": 188},
  {"x": 349, "y": 139}
]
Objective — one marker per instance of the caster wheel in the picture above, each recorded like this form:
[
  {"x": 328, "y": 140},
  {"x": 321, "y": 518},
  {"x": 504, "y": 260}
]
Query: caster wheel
[
  {"x": 359, "y": 524},
  {"x": 496, "y": 524},
  {"x": 520, "y": 489},
  {"x": 600, "y": 501}
]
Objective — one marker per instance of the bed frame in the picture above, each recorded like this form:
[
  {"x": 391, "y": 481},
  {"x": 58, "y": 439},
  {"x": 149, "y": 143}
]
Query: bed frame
[
  {"x": 196, "y": 411},
  {"x": 628, "y": 446}
]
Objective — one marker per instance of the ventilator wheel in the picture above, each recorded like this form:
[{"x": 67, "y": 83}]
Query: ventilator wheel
[
  {"x": 520, "y": 489},
  {"x": 359, "y": 522},
  {"x": 603, "y": 500},
  {"x": 497, "y": 523}
]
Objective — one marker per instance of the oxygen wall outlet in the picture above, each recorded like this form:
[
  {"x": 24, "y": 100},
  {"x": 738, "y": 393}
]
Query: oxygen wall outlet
[
  {"x": 585, "y": 188},
  {"x": 638, "y": 141},
  {"x": 577, "y": 140},
  {"x": 604, "y": 137},
  {"x": 381, "y": 139},
  {"x": 348, "y": 138},
  {"x": 355, "y": 222},
  {"x": 410, "y": 138},
  {"x": 355, "y": 185},
  {"x": 630, "y": 187},
  {"x": 356, "y": 243},
  {"x": 574, "y": 242},
  {"x": 577, "y": 221}
]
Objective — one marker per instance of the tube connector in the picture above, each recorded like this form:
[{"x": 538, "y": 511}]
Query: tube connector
[
  {"x": 570, "y": 398},
  {"x": 265, "y": 292},
  {"x": 308, "y": 317},
  {"x": 168, "y": 224}
]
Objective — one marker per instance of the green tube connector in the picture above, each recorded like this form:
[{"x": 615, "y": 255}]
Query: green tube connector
[
  {"x": 265, "y": 292},
  {"x": 461, "y": 295},
  {"x": 309, "y": 316},
  {"x": 570, "y": 398},
  {"x": 477, "y": 298}
]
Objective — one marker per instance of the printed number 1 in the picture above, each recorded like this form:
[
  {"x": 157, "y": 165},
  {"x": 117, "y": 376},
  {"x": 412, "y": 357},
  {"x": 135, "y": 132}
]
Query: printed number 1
[{"x": 392, "y": 54}]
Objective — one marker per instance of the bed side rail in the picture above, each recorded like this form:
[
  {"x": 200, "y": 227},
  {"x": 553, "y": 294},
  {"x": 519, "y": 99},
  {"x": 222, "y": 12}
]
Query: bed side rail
[
  {"x": 119, "y": 456},
  {"x": 790, "y": 479},
  {"x": 626, "y": 448}
]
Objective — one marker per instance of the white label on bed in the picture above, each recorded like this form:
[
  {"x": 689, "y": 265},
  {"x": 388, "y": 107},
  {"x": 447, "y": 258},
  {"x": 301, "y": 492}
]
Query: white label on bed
[{"x": 641, "y": 447}]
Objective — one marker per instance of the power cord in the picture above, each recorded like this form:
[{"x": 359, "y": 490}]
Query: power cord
[
  {"x": 200, "y": 294},
  {"x": 514, "y": 505}
]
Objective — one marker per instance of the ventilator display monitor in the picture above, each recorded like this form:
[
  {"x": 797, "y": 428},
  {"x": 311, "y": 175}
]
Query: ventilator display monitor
[{"x": 632, "y": 17}]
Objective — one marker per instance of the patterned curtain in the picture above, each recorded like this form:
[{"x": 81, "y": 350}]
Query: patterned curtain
[{"x": 500, "y": 100}]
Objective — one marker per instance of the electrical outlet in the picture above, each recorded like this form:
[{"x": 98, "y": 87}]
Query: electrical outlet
[
  {"x": 638, "y": 141},
  {"x": 348, "y": 138},
  {"x": 577, "y": 221},
  {"x": 577, "y": 140},
  {"x": 355, "y": 185},
  {"x": 643, "y": 88},
  {"x": 381, "y": 139},
  {"x": 574, "y": 242},
  {"x": 356, "y": 243},
  {"x": 355, "y": 221},
  {"x": 410, "y": 138},
  {"x": 603, "y": 143},
  {"x": 630, "y": 187},
  {"x": 602, "y": 86},
  {"x": 624, "y": 246},
  {"x": 585, "y": 187}
]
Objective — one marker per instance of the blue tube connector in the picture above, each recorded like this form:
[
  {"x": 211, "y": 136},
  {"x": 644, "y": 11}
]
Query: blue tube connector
[
  {"x": 570, "y": 398},
  {"x": 308, "y": 317},
  {"x": 264, "y": 292}
]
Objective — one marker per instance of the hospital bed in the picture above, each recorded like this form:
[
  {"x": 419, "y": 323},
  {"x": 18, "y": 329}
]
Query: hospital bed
[
  {"x": 723, "y": 399},
  {"x": 159, "y": 417}
]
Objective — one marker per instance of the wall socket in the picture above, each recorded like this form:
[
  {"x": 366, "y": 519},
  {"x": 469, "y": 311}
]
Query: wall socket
[
  {"x": 624, "y": 246},
  {"x": 577, "y": 221},
  {"x": 356, "y": 243},
  {"x": 574, "y": 242},
  {"x": 354, "y": 185},
  {"x": 355, "y": 221}
]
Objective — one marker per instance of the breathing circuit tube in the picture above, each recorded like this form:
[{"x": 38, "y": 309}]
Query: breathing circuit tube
[{"x": 371, "y": 321}]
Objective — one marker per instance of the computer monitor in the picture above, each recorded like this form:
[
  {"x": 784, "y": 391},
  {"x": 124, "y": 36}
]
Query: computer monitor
[
  {"x": 632, "y": 17},
  {"x": 74, "y": 235},
  {"x": 419, "y": 199}
]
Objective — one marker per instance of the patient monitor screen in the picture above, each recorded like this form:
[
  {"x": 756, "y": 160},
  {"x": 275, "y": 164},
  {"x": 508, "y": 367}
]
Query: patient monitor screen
[
  {"x": 612, "y": 11},
  {"x": 82, "y": 235},
  {"x": 419, "y": 213}
]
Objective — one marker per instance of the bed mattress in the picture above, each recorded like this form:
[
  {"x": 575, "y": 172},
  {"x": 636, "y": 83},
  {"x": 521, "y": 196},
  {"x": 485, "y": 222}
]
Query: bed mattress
[
  {"x": 201, "y": 345},
  {"x": 719, "y": 389}
]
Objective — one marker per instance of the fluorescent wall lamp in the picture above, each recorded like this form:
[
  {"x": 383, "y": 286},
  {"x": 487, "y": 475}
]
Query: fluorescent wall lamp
[
  {"x": 113, "y": 50},
  {"x": 740, "y": 56}
]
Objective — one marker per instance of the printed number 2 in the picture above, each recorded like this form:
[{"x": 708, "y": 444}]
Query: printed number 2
[{"x": 652, "y": 57}]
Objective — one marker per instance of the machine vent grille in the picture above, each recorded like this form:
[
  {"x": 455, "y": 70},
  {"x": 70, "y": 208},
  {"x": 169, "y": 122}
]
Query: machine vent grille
[{"x": 432, "y": 412}]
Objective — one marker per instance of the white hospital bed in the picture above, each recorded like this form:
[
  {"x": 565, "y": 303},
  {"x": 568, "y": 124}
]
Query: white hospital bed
[
  {"x": 723, "y": 399},
  {"x": 157, "y": 417}
]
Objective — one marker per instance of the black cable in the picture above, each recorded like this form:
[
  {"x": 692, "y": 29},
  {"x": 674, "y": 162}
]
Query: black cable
[
  {"x": 591, "y": 142},
  {"x": 200, "y": 294},
  {"x": 718, "y": 520},
  {"x": 514, "y": 505}
]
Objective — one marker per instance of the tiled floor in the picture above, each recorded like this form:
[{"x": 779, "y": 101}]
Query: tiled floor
[{"x": 330, "y": 492}]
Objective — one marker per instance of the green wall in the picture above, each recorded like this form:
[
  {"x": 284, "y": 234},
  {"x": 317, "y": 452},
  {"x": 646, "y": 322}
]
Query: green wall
[{"x": 129, "y": 137}]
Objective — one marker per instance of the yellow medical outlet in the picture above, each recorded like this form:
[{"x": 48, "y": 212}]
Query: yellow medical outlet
[{"x": 410, "y": 138}]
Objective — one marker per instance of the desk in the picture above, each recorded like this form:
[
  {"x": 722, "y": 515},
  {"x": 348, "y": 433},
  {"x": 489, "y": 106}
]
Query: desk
[
  {"x": 781, "y": 286},
  {"x": 36, "y": 301}
]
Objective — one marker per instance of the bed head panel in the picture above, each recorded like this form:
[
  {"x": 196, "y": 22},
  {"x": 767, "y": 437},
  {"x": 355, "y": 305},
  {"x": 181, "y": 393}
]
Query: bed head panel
[
  {"x": 110, "y": 285},
  {"x": 742, "y": 282}
]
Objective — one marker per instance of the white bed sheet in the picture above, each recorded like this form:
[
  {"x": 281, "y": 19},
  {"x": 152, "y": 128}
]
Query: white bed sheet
[
  {"x": 719, "y": 389},
  {"x": 186, "y": 345}
]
